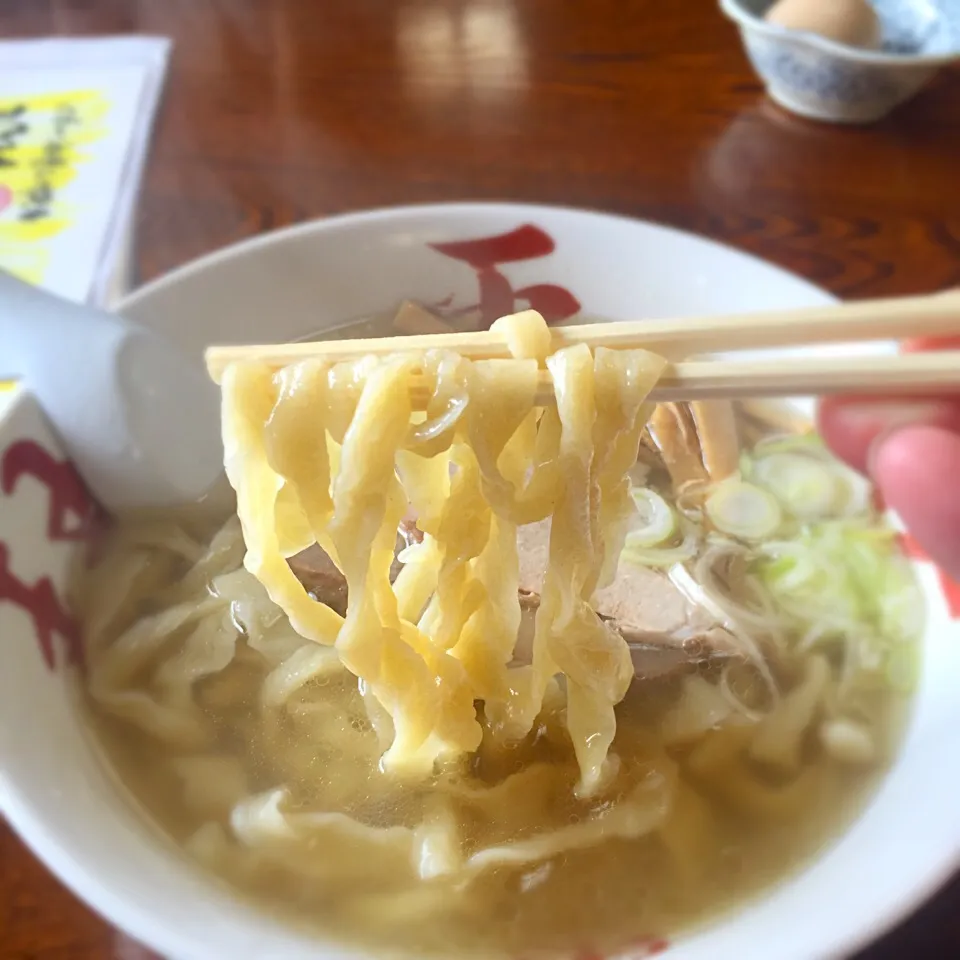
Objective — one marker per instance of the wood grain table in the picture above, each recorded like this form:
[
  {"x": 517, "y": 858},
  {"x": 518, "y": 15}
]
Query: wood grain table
[{"x": 282, "y": 110}]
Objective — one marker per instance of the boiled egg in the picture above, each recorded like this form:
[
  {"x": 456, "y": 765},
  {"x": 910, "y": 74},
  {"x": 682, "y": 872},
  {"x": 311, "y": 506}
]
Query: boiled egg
[{"x": 851, "y": 22}]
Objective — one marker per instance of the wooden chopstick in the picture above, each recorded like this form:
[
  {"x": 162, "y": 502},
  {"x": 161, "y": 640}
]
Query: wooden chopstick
[
  {"x": 887, "y": 319},
  {"x": 914, "y": 374}
]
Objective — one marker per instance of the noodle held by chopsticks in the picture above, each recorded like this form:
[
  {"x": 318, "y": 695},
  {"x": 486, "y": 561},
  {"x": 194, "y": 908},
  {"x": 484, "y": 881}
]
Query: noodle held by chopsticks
[{"x": 334, "y": 455}]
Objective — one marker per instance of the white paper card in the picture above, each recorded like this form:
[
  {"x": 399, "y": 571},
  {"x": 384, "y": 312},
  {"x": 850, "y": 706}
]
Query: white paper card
[{"x": 75, "y": 121}]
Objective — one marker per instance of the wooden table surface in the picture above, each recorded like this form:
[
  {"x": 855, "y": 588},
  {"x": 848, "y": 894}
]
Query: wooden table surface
[{"x": 281, "y": 110}]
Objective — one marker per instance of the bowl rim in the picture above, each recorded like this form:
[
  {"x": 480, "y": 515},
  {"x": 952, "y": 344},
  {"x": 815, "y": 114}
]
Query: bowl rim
[
  {"x": 445, "y": 208},
  {"x": 749, "y": 21}
]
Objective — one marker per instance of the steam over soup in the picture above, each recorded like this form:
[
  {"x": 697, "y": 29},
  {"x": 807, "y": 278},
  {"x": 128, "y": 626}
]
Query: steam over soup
[{"x": 491, "y": 678}]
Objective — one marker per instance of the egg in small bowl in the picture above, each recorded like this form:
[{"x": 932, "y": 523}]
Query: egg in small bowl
[{"x": 846, "y": 61}]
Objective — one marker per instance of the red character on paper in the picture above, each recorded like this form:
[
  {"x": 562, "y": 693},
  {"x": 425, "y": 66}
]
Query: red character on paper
[
  {"x": 72, "y": 517},
  {"x": 497, "y": 297}
]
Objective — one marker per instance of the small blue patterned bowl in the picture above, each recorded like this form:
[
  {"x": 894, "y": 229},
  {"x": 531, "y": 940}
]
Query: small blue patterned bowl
[{"x": 819, "y": 78}]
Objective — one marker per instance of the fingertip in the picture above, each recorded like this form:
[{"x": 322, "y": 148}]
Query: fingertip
[
  {"x": 842, "y": 433},
  {"x": 917, "y": 469},
  {"x": 852, "y": 426}
]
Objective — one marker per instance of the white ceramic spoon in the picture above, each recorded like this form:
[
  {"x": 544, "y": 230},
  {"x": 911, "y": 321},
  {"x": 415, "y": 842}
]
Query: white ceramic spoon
[{"x": 139, "y": 420}]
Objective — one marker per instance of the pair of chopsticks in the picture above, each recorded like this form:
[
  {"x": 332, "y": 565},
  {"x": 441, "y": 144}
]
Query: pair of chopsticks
[{"x": 888, "y": 319}]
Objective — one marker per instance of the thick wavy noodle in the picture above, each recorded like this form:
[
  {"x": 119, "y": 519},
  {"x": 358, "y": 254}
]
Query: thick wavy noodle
[
  {"x": 480, "y": 677},
  {"x": 471, "y": 481}
]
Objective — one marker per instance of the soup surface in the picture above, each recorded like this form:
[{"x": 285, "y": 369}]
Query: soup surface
[{"x": 773, "y": 629}]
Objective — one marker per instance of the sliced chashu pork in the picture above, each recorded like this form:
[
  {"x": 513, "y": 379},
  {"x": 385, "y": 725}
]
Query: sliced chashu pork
[
  {"x": 662, "y": 627},
  {"x": 321, "y": 576},
  {"x": 664, "y": 630}
]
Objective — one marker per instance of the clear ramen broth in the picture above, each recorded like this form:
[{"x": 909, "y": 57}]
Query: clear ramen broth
[{"x": 773, "y": 628}]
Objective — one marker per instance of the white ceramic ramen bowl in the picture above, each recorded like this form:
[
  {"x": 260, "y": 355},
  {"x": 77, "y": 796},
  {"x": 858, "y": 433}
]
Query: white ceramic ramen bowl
[{"x": 66, "y": 805}]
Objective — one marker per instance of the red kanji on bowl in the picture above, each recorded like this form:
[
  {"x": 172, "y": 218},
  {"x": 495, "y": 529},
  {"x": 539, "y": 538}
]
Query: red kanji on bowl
[
  {"x": 72, "y": 517},
  {"x": 643, "y": 948},
  {"x": 497, "y": 297}
]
